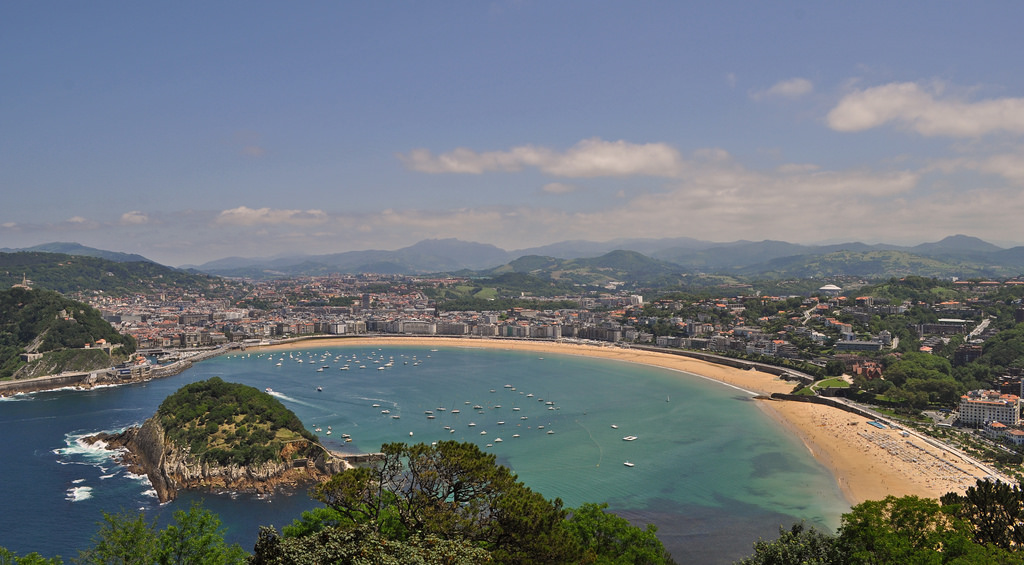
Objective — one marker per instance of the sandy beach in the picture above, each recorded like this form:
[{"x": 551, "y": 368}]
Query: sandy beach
[{"x": 868, "y": 463}]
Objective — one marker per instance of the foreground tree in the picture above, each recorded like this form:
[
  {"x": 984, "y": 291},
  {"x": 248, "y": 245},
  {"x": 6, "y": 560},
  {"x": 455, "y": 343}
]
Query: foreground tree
[
  {"x": 194, "y": 537},
  {"x": 912, "y": 530},
  {"x": 8, "y": 557},
  {"x": 454, "y": 491},
  {"x": 605, "y": 538},
  {"x": 799, "y": 544},
  {"x": 362, "y": 545},
  {"x": 995, "y": 510}
]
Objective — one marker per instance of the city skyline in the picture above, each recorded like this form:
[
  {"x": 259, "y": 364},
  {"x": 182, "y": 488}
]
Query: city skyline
[{"x": 187, "y": 134}]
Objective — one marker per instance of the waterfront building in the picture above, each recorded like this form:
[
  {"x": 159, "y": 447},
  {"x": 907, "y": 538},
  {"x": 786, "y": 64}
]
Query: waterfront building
[{"x": 979, "y": 407}]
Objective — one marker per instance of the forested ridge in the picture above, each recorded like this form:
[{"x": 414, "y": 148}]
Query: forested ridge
[{"x": 77, "y": 273}]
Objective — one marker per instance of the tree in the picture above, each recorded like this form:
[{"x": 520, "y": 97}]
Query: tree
[
  {"x": 123, "y": 539},
  {"x": 8, "y": 557},
  {"x": 362, "y": 545},
  {"x": 799, "y": 544},
  {"x": 605, "y": 538},
  {"x": 911, "y": 530},
  {"x": 995, "y": 509},
  {"x": 452, "y": 490},
  {"x": 196, "y": 537}
]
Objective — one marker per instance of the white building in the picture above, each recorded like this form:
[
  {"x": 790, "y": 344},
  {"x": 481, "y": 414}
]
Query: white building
[{"x": 979, "y": 407}]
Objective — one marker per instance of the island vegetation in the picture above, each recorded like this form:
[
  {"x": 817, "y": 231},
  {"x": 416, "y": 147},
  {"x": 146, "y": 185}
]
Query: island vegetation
[{"x": 231, "y": 424}]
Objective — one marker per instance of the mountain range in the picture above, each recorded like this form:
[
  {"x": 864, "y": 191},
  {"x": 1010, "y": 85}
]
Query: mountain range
[{"x": 654, "y": 260}]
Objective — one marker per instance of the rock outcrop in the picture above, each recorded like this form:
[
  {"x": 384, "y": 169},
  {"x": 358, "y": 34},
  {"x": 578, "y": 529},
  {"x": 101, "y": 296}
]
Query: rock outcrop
[{"x": 171, "y": 467}]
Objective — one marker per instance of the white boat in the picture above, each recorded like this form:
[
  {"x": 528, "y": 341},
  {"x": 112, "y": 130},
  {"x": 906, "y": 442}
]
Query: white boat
[
  {"x": 629, "y": 438},
  {"x": 385, "y": 411},
  {"x": 498, "y": 440},
  {"x": 501, "y": 423},
  {"x": 471, "y": 424},
  {"x": 376, "y": 405},
  {"x": 515, "y": 435},
  {"x": 551, "y": 432},
  {"x": 396, "y": 416},
  {"x": 628, "y": 464},
  {"x": 483, "y": 433},
  {"x": 269, "y": 390},
  {"x": 615, "y": 426}
]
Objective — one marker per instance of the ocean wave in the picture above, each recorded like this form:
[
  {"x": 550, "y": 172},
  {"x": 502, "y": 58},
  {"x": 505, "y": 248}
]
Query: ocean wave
[{"x": 78, "y": 494}]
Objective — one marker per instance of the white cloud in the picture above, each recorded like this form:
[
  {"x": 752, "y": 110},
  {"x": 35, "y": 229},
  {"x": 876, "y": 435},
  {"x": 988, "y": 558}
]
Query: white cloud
[
  {"x": 922, "y": 110},
  {"x": 245, "y": 216},
  {"x": 134, "y": 217},
  {"x": 589, "y": 158},
  {"x": 77, "y": 220},
  {"x": 559, "y": 188},
  {"x": 790, "y": 168},
  {"x": 1009, "y": 166},
  {"x": 791, "y": 88}
]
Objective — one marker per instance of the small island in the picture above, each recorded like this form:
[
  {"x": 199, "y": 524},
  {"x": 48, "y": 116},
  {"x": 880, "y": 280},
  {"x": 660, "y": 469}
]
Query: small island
[{"x": 218, "y": 436}]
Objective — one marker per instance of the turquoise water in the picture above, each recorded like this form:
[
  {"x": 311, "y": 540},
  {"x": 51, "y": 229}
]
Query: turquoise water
[{"x": 710, "y": 469}]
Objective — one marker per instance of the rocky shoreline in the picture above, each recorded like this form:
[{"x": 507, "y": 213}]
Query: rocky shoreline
[{"x": 145, "y": 451}]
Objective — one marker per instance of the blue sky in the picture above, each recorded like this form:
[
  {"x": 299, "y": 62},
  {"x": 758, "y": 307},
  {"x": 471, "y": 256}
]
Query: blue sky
[{"x": 191, "y": 131}]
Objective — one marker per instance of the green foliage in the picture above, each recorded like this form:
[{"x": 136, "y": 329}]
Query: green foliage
[
  {"x": 605, "y": 538},
  {"x": 907, "y": 530},
  {"x": 52, "y": 322},
  {"x": 981, "y": 527},
  {"x": 363, "y": 545},
  {"x": 799, "y": 544},
  {"x": 456, "y": 491},
  {"x": 196, "y": 537},
  {"x": 994, "y": 509},
  {"x": 76, "y": 273},
  {"x": 230, "y": 423},
  {"x": 123, "y": 539},
  {"x": 8, "y": 557},
  {"x": 193, "y": 538}
]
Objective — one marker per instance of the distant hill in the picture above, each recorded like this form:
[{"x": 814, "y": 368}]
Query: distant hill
[
  {"x": 78, "y": 273},
  {"x": 617, "y": 266},
  {"x": 78, "y": 249},
  {"x": 427, "y": 256},
  {"x": 958, "y": 255}
]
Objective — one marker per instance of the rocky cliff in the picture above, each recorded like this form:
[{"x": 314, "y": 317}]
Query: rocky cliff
[{"x": 171, "y": 467}]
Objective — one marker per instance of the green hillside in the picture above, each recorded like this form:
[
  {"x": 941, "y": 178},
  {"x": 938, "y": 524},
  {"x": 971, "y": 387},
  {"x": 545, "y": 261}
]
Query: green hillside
[
  {"x": 230, "y": 423},
  {"x": 41, "y": 321},
  {"x": 75, "y": 273}
]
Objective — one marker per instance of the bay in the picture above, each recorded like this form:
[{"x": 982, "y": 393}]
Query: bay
[{"x": 710, "y": 469}]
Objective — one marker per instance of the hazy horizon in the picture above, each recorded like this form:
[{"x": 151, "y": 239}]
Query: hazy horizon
[{"x": 189, "y": 134}]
